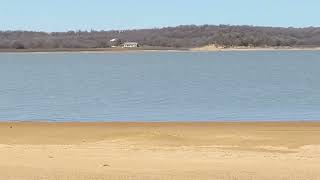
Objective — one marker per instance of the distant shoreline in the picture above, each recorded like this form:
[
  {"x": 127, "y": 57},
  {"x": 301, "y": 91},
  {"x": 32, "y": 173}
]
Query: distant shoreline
[
  {"x": 243, "y": 48},
  {"x": 88, "y": 50},
  {"x": 158, "y": 49}
]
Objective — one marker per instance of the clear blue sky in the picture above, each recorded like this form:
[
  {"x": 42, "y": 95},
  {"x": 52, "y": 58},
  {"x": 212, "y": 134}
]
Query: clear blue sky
[{"x": 62, "y": 15}]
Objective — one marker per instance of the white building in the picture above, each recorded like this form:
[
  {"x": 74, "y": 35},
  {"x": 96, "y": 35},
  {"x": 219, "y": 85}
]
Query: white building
[
  {"x": 130, "y": 45},
  {"x": 115, "y": 42}
]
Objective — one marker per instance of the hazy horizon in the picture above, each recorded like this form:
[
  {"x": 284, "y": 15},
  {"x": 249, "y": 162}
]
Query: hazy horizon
[
  {"x": 160, "y": 27},
  {"x": 61, "y": 16}
]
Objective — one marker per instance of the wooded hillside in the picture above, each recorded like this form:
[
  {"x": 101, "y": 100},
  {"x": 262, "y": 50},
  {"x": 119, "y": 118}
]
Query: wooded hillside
[{"x": 181, "y": 36}]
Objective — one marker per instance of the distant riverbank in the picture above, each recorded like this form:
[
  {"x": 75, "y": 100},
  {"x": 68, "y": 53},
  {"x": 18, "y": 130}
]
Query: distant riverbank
[
  {"x": 159, "y": 49},
  {"x": 93, "y": 50},
  {"x": 245, "y": 48}
]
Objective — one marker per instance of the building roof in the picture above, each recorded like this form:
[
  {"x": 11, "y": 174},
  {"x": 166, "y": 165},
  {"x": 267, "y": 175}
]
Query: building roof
[
  {"x": 130, "y": 43},
  {"x": 113, "y": 40}
]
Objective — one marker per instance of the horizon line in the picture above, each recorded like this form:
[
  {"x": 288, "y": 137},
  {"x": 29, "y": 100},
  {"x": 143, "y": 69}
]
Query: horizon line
[{"x": 156, "y": 27}]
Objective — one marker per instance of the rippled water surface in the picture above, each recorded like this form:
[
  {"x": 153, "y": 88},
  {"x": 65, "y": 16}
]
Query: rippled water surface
[{"x": 160, "y": 86}]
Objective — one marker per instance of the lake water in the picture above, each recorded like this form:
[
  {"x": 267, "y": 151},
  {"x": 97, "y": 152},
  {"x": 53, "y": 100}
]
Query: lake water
[{"x": 160, "y": 86}]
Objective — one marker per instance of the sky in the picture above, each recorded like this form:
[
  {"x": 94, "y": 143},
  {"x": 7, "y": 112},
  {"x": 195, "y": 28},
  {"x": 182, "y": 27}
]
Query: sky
[{"x": 64, "y": 15}]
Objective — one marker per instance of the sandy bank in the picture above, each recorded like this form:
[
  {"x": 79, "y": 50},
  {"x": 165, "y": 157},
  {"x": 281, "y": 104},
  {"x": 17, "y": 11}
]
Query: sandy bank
[
  {"x": 160, "y": 150},
  {"x": 214, "y": 49}
]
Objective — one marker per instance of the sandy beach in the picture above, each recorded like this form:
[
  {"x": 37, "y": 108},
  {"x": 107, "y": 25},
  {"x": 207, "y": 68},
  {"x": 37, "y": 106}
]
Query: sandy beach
[
  {"x": 212, "y": 48},
  {"x": 226, "y": 151}
]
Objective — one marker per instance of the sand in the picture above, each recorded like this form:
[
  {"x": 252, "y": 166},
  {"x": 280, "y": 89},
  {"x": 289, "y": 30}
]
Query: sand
[
  {"x": 116, "y": 151},
  {"x": 213, "y": 48}
]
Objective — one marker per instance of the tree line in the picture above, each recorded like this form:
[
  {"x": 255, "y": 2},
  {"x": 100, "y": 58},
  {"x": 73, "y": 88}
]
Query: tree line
[{"x": 181, "y": 36}]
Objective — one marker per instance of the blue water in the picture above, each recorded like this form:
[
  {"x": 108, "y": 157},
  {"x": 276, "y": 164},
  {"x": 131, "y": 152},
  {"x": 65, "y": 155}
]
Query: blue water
[{"x": 171, "y": 86}]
